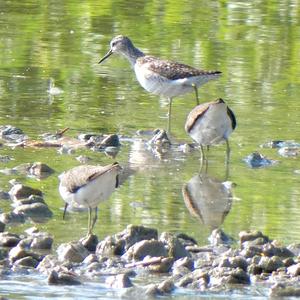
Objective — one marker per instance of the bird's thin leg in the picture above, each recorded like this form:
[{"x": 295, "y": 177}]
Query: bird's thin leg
[
  {"x": 227, "y": 158},
  {"x": 65, "y": 210},
  {"x": 196, "y": 92},
  {"x": 169, "y": 116},
  {"x": 89, "y": 221},
  {"x": 95, "y": 218}
]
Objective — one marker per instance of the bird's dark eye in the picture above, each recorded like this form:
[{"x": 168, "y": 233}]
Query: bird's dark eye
[{"x": 113, "y": 44}]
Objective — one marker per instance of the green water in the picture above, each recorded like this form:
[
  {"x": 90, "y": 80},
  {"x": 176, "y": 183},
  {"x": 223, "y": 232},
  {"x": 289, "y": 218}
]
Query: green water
[{"x": 255, "y": 44}]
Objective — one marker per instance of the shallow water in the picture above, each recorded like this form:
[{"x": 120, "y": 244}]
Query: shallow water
[{"x": 257, "y": 48}]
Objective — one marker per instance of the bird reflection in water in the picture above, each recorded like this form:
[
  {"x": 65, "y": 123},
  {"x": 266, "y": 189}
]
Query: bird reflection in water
[{"x": 208, "y": 199}]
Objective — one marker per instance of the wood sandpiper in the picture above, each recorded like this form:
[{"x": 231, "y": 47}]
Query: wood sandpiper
[
  {"x": 211, "y": 123},
  {"x": 87, "y": 186},
  {"x": 160, "y": 77}
]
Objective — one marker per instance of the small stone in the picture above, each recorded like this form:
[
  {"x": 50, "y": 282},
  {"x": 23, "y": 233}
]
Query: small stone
[
  {"x": 164, "y": 266},
  {"x": 9, "y": 239},
  {"x": 145, "y": 248},
  {"x": 175, "y": 248},
  {"x": 90, "y": 242},
  {"x": 12, "y": 218},
  {"x": 17, "y": 253},
  {"x": 4, "y": 195},
  {"x": 280, "y": 290},
  {"x": 110, "y": 246},
  {"x": 72, "y": 252},
  {"x": 36, "y": 211},
  {"x": 295, "y": 249},
  {"x": 184, "y": 262},
  {"x": 294, "y": 270},
  {"x": 133, "y": 234},
  {"x": 30, "y": 200},
  {"x": 269, "y": 265},
  {"x": 27, "y": 261},
  {"x": 252, "y": 235},
  {"x": 40, "y": 170},
  {"x": 63, "y": 278},
  {"x": 42, "y": 242},
  {"x": 119, "y": 281},
  {"x": 166, "y": 287},
  {"x": 111, "y": 140},
  {"x": 20, "y": 191},
  {"x": 219, "y": 237},
  {"x": 2, "y": 226}
]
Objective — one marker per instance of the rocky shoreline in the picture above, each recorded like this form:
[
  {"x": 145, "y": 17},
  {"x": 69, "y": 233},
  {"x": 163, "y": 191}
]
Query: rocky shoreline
[{"x": 140, "y": 261}]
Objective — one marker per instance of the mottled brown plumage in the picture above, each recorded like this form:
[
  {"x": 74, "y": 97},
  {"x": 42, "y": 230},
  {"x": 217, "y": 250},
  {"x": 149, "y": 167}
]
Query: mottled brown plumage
[{"x": 158, "y": 76}]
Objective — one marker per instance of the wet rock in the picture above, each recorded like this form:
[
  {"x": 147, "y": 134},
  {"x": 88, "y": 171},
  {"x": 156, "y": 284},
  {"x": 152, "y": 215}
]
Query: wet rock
[
  {"x": 246, "y": 236},
  {"x": 90, "y": 242},
  {"x": 166, "y": 287},
  {"x": 4, "y": 158},
  {"x": 186, "y": 240},
  {"x": 174, "y": 246},
  {"x": 12, "y": 133},
  {"x": 72, "y": 252},
  {"x": 164, "y": 265},
  {"x": 87, "y": 136},
  {"x": 270, "y": 249},
  {"x": 19, "y": 252},
  {"x": 251, "y": 251},
  {"x": 290, "y": 151},
  {"x": 270, "y": 264},
  {"x": 42, "y": 242},
  {"x": 40, "y": 170},
  {"x": 36, "y": 211},
  {"x": 92, "y": 258},
  {"x": 294, "y": 270},
  {"x": 20, "y": 191},
  {"x": 145, "y": 248},
  {"x": 12, "y": 218},
  {"x": 199, "y": 276},
  {"x": 185, "y": 262},
  {"x": 257, "y": 160},
  {"x": 9, "y": 239},
  {"x": 295, "y": 249},
  {"x": 111, "y": 140},
  {"x": 83, "y": 159},
  {"x": 280, "y": 290},
  {"x": 229, "y": 276},
  {"x": 288, "y": 262},
  {"x": 119, "y": 281},
  {"x": 273, "y": 144},
  {"x": 48, "y": 263},
  {"x": 219, "y": 237},
  {"x": 30, "y": 200},
  {"x": 2, "y": 226},
  {"x": 110, "y": 246},
  {"x": 160, "y": 138},
  {"x": 27, "y": 261},
  {"x": 4, "y": 195},
  {"x": 133, "y": 234},
  {"x": 151, "y": 290},
  {"x": 63, "y": 278},
  {"x": 238, "y": 262}
]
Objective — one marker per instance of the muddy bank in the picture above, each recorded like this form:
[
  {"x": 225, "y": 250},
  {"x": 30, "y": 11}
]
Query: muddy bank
[{"x": 139, "y": 260}]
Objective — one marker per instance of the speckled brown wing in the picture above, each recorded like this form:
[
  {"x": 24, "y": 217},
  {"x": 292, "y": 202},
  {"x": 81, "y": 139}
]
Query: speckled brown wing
[
  {"x": 79, "y": 176},
  {"x": 172, "y": 70},
  {"x": 196, "y": 114}
]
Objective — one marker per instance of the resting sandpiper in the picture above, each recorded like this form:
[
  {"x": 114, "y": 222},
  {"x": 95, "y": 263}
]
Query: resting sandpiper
[
  {"x": 88, "y": 185},
  {"x": 160, "y": 77},
  {"x": 211, "y": 123}
]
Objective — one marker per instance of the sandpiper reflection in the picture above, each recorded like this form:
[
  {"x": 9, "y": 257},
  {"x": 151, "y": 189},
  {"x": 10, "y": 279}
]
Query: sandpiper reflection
[{"x": 208, "y": 199}]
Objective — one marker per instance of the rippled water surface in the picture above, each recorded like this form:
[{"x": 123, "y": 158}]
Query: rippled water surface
[{"x": 255, "y": 44}]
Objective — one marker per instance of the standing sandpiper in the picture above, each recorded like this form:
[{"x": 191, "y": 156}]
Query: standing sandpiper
[
  {"x": 88, "y": 185},
  {"x": 211, "y": 123},
  {"x": 160, "y": 77}
]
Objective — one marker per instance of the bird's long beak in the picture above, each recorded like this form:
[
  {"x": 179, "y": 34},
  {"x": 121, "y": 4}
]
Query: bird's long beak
[
  {"x": 65, "y": 210},
  {"x": 107, "y": 55}
]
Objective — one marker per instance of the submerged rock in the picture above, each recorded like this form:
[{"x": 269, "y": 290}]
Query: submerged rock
[
  {"x": 119, "y": 281},
  {"x": 63, "y": 278},
  {"x": 20, "y": 191},
  {"x": 145, "y": 248},
  {"x": 257, "y": 160},
  {"x": 72, "y": 252}
]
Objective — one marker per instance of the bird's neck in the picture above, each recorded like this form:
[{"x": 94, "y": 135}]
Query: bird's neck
[{"x": 133, "y": 54}]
